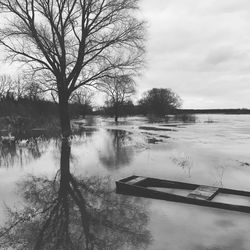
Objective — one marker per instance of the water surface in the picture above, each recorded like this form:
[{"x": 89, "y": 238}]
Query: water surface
[{"x": 61, "y": 194}]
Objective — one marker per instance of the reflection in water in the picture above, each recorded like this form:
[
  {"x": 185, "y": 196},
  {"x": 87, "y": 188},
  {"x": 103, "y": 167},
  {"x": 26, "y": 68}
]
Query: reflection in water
[
  {"x": 20, "y": 153},
  {"x": 219, "y": 174},
  {"x": 183, "y": 161},
  {"x": 75, "y": 213},
  {"x": 183, "y": 118},
  {"x": 117, "y": 152}
]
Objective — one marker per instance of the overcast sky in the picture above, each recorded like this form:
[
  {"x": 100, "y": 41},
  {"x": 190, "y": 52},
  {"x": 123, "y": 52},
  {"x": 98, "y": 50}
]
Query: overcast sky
[{"x": 200, "y": 49}]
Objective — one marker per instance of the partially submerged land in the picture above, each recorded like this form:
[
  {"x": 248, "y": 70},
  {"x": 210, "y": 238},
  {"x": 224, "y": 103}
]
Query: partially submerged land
[{"x": 28, "y": 117}]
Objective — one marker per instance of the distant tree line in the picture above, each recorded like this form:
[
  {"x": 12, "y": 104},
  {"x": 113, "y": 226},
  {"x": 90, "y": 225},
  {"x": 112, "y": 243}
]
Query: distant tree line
[
  {"x": 213, "y": 111},
  {"x": 127, "y": 108},
  {"x": 24, "y": 97},
  {"x": 157, "y": 101}
]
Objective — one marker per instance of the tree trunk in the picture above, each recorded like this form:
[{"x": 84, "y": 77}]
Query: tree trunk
[
  {"x": 116, "y": 111},
  {"x": 116, "y": 118},
  {"x": 64, "y": 115},
  {"x": 64, "y": 162}
]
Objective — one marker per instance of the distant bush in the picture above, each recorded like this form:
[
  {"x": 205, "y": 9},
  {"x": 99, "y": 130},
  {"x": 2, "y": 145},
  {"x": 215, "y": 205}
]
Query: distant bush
[{"x": 159, "y": 101}]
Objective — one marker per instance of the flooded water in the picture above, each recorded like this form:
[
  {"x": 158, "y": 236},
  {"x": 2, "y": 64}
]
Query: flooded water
[{"x": 61, "y": 194}]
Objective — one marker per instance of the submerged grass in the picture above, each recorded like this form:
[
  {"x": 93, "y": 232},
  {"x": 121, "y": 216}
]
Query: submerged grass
[{"x": 25, "y": 127}]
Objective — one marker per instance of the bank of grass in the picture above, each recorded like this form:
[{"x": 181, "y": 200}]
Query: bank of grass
[
  {"x": 20, "y": 117},
  {"x": 28, "y": 126},
  {"x": 36, "y": 108}
]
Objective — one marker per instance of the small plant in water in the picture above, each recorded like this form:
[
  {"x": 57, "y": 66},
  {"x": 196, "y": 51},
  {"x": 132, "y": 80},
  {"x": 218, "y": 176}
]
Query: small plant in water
[{"x": 183, "y": 161}]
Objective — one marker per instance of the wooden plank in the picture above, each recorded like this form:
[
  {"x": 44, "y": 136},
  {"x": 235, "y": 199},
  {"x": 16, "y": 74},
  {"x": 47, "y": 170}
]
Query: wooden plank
[
  {"x": 204, "y": 193},
  {"x": 135, "y": 180}
]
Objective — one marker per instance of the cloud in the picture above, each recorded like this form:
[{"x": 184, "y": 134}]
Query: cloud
[
  {"x": 200, "y": 49},
  {"x": 221, "y": 55}
]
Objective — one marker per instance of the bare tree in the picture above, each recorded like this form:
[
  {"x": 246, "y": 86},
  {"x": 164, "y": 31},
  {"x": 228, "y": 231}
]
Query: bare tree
[
  {"x": 82, "y": 101},
  {"x": 82, "y": 96},
  {"x": 73, "y": 42},
  {"x": 20, "y": 87},
  {"x": 6, "y": 85},
  {"x": 33, "y": 90},
  {"x": 118, "y": 89}
]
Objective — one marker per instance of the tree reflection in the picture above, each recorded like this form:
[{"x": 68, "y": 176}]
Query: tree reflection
[
  {"x": 75, "y": 213},
  {"x": 116, "y": 152},
  {"x": 20, "y": 153}
]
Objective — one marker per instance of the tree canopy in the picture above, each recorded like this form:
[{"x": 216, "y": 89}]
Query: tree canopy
[
  {"x": 72, "y": 43},
  {"x": 159, "y": 101}
]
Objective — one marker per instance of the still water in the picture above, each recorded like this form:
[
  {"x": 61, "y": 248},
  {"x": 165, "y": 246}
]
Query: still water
[{"x": 60, "y": 194}]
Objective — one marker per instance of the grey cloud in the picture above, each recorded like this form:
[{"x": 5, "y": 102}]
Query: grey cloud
[
  {"x": 200, "y": 49},
  {"x": 221, "y": 55}
]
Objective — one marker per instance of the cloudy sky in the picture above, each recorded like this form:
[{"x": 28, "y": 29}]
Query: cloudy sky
[{"x": 200, "y": 49}]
